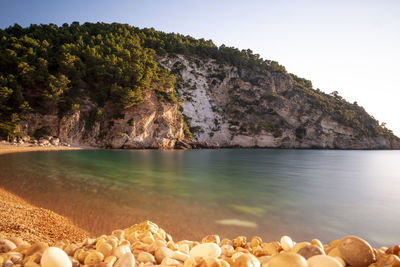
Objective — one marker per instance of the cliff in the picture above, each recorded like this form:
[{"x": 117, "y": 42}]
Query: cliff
[{"x": 117, "y": 86}]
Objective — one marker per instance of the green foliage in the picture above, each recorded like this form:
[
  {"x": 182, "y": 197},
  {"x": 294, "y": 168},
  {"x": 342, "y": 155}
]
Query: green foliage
[{"x": 50, "y": 68}]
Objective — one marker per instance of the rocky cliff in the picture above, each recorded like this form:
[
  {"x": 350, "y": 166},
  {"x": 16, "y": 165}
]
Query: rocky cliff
[
  {"x": 221, "y": 106},
  {"x": 118, "y": 86},
  {"x": 152, "y": 124},
  {"x": 227, "y": 107}
]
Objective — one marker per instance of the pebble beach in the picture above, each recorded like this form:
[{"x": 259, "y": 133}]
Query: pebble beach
[
  {"x": 32, "y": 236},
  {"x": 147, "y": 245}
]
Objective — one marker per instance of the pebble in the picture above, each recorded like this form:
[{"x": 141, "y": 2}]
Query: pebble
[
  {"x": 286, "y": 243},
  {"x": 227, "y": 250},
  {"x": 246, "y": 260},
  {"x": 356, "y": 251},
  {"x": 121, "y": 250},
  {"x": 239, "y": 241},
  {"x": 161, "y": 253},
  {"x": 146, "y": 257},
  {"x": 55, "y": 257},
  {"x": 310, "y": 250},
  {"x": 31, "y": 264},
  {"x": 211, "y": 239},
  {"x": 318, "y": 243},
  {"x": 255, "y": 241},
  {"x": 323, "y": 261},
  {"x": 393, "y": 250},
  {"x": 93, "y": 257},
  {"x": 170, "y": 261},
  {"x": 270, "y": 249},
  {"x": 126, "y": 260},
  {"x": 6, "y": 246},
  {"x": 36, "y": 247},
  {"x": 287, "y": 259},
  {"x": 206, "y": 250},
  {"x": 177, "y": 255},
  {"x": 300, "y": 245},
  {"x": 106, "y": 249},
  {"x": 386, "y": 260}
]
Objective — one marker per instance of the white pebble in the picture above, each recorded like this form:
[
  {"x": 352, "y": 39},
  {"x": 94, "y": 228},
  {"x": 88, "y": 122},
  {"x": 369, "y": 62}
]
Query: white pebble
[
  {"x": 121, "y": 250},
  {"x": 323, "y": 261},
  {"x": 286, "y": 243},
  {"x": 126, "y": 260},
  {"x": 206, "y": 250},
  {"x": 55, "y": 257}
]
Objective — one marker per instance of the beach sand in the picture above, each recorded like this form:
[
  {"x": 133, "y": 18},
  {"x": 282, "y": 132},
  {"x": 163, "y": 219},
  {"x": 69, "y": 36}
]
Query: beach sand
[
  {"x": 8, "y": 148},
  {"x": 21, "y": 219}
]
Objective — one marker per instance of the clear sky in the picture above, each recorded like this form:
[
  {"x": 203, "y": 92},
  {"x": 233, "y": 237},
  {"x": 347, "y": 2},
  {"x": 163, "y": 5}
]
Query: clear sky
[{"x": 352, "y": 46}]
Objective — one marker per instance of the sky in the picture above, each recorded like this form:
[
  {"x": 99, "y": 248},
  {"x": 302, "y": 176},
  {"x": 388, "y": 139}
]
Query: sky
[{"x": 348, "y": 46}]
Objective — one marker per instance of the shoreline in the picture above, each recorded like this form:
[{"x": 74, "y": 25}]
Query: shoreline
[
  {"x": 9, "y": 148},
  {"x": 26, "y": 226}
]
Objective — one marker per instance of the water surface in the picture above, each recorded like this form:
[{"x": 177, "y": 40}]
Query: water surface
[{"x": 306, "y": 194}]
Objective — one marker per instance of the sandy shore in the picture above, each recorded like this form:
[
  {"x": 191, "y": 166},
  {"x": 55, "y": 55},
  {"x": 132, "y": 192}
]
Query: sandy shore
[
  {"x": 8, "y": 148},
  {"x": 21, "y": 219}
]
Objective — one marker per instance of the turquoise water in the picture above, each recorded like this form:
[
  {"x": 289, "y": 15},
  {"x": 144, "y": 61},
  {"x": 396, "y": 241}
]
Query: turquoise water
[{"x": 307, "y": 194}]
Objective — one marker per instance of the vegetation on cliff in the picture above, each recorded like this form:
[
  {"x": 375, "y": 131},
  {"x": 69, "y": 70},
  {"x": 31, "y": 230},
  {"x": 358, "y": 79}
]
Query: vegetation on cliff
[{"x": 54, "y": 69}]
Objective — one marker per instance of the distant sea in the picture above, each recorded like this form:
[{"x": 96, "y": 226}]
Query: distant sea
[{"x": 305, "y": 194}]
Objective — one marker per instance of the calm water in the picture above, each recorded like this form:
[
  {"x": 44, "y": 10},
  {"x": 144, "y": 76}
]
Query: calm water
[{"x": 302, "y": 193}]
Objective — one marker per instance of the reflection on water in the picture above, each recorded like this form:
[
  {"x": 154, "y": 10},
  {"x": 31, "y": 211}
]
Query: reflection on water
[{"x": 302, "y": 193}]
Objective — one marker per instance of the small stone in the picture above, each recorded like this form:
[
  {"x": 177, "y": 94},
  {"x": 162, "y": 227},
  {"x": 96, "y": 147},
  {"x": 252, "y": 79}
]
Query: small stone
[
  {"x": 287, "y": 259},
  {"x": 6, "y": 246},
  {"x": 227, "y": 250},
  {"x": 300, "y": 245},
  {"x": 246, "y": 260},
  {"x": 270, "y": 249},
  {"x": 211, "y": 239},
  {"x": 70, "y": 249},
  {"x": 113, "y": 242},
  {"x": 31, "y": 264},
  {"x": 387, "y": 260},
  {"x": 224, "y": 263},
  {"x": 145, "y": 257},
  {"x": 206, "y": 250},
  {"x": 184, "y": 248},
  {"x": 310, "y": 250},
  {"x": 170, "y": 261},
  {"x": 55, "y": 257},
  {"x": 226, "y": 241},
  {"x": 239, "y": 241},
  {"x": 121, "y": 250},
  {"x": 161, "y": 253},
  {"x": 8, "y": 263},
  {"x": 264, "y": 260},
  {"x": 36, "y": 247},
  {"x": 334, "y": 252},
  {"x": 94, "y": 257},
  {"x": 356, "y": 251},
  {"x": 177, "y": 255},
  {"x": 323, "y": 261},
  {"x": 126, "y": 260},
  {"x": 256, "y": 241},
  {"x": 393, "y": 250},
  {"x": 286, "y": 243},
  {"x": 110, "y": 259},
  {"x": 106, "y": 249},
  {"x": 15, "y": 257},
  {"x": 318, "y": 243}
]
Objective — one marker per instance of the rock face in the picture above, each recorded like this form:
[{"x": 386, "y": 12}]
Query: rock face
[
  {"x": 261, "y": 110},
  {"x": 152, "y": 124},
  {"x": 222, "y": 106}
]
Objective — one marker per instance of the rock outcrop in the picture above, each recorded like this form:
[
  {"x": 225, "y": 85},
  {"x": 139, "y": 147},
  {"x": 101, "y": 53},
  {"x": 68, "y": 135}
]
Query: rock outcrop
[{"x": 222, "y": 106}]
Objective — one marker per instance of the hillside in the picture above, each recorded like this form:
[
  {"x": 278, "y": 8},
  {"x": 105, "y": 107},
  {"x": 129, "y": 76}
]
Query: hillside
[{"x": 114, "y": 85}]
